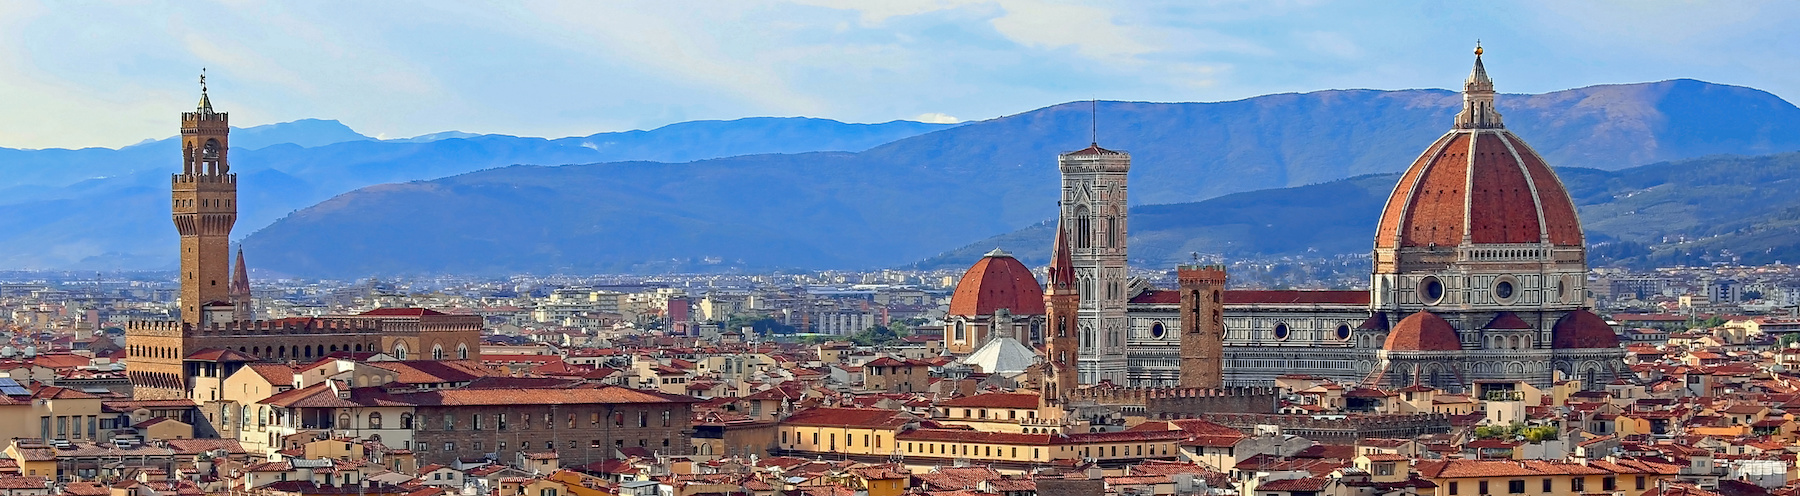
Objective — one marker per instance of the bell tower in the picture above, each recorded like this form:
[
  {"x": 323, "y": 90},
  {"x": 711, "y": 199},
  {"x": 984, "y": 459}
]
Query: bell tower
[
  {"x": 1062, "y": 337},
  {"x": 203, "y": 201},
  {"x": 1202, "y": 325}
]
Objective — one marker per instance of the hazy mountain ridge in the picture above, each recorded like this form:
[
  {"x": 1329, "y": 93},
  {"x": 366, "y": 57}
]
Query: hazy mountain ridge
[
  {"x": 1668, "y": 213},
  {"x": 106, "y": 208},
  {"x": 901, "y": 202}
]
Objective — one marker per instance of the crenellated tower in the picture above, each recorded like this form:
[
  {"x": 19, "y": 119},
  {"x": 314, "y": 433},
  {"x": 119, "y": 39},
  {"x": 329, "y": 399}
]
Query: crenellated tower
[
  {"x": 1062, "y": 342},
  {"x": 203, "y": 200},
  {"x": 1202, "y": 325}
]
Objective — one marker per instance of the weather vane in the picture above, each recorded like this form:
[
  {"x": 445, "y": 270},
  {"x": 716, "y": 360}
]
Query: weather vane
[{"x": 202, "y": 79}]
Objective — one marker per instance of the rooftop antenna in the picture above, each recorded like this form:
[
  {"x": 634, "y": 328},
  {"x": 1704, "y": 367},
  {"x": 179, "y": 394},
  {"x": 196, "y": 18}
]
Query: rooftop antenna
[{"x": 1094, "y": 122}]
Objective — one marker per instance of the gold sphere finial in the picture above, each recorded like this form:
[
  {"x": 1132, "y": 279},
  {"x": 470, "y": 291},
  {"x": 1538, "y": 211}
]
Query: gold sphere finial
[{"x": 1478, "y": 48}]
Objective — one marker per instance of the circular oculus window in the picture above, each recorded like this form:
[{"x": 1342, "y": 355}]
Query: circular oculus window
[
  {"x": 1343, "y": 332},
  {"x": 1431, "y": 290},
  {"x": 1157, "y": 331},
  {"x": 1282, "y": 332}
]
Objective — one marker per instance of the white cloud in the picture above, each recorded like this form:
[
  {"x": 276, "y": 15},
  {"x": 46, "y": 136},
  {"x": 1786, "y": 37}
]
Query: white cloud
[{"x": 936, "y": 118}]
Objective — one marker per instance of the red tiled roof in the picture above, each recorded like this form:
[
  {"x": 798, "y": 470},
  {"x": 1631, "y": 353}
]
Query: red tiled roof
[
  {"x": 402, "y": 312},
  {"x": 1423, "y": 331},
  {"x": 1582, "y": 329},
  {"x": 872, "y": 418},
  {"x": 1507, "y": 320},
  {"x": 540, "y": 396},
  {"x": 996, "y": 282},
  {"x": 219, "y": 355},
  {"x": 1312, "y": 297},
  {"x": 1485, "y": 184}
]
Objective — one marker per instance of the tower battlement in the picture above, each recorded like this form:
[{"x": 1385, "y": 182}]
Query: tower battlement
[
  {"x": 1176, "y": 401},
  {"x": 255, "y": 327},
  {"x": 181, "y": 179},
  {"x": 205, "y": 120},
  {"x": 1200, "y": 274}
]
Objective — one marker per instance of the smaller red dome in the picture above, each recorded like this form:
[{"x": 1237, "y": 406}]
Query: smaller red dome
[
  {"x": 1582, "y": 329},
  {"x": 997, "y": 281},
  {"x": 1423, "y": 331}
]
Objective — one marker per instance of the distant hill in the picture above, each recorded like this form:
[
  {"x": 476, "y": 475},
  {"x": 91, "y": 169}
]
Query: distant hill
[
  {"x": 106, "y": 208},
  {"x": 903, "y": 201},
  {"x": 1698, "y": 211}
]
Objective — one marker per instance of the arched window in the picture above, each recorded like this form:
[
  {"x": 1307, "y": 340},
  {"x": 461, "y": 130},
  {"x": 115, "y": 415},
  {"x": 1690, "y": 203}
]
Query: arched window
[
  {"x": 462, "y": 351},
  {"x": 406, "y": 421},
  {"x": 399, "y": 351},
  {"x": 374, "y": 420},
  {"x": 344, "y": 421},
  {"x": 437, "y": 352},
  {"x": 1084, "y": 233},
  {"x": 1112, "y": 227}
]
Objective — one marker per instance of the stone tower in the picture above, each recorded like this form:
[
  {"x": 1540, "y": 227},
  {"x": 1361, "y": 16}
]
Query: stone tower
[
  {"x": 1093, "y": 208},
  {"x": 204, "y": 204},
  {"x": 1202, "y": 325},
  {"x": 1062, "y": 341}
]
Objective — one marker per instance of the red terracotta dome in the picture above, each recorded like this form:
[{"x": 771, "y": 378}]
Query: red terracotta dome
[
  {"x": 997, "y": 281},
  {"x": 1423, "y": 331},
  {"x": 1479, "y": 183},
  {"x": 1582, "y": 329}
]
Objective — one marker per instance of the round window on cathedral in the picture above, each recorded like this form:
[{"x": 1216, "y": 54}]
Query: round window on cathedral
[
  {"x": 1282, "y": 332},
  {"x": 1343, "y": 332},
  {"x": 1157, "y": 331},
  {"x": 1505, "y": 288},
  {"x": 1431, "y": 290}
]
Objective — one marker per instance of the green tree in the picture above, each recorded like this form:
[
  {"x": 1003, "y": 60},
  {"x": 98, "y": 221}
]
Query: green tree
[
  {"x": 1787, "y": 339},
  {"x": 876, "y": 335}
]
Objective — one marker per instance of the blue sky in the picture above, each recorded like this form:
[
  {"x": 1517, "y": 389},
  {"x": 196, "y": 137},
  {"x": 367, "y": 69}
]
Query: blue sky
[{"x": 91, "y": 74}]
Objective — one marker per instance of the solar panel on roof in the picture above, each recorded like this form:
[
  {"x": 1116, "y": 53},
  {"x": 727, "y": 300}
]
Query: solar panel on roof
[{"x": 10, "y": 387}]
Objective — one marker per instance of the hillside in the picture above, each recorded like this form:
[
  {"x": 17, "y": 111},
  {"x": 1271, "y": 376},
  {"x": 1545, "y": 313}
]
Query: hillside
[
  {"x": 105, "y": 208},
  {"x": 903, "y": 201},
  {"x": 1698, "y": 211}
]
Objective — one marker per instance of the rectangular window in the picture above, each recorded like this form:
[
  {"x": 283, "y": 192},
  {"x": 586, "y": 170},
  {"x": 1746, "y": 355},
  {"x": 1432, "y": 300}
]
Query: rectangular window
[
  {"x": 1547, "y": 485},
  {"x": 1640, "y": 482},
  {"x": 1578, "y": 484},
  {"x": 475, "y": 425},
  {"x": 478, "y": 446},
  {"x": 1609, "y": 483},
  {"x": 449, "y": 422},
  {"x": 62, "y": 427},
  {"x": 449, "y": 446},
  {"x": 1452, "y": 489},
  {"x": 1482, "y": 487},
  {"x": 1515, "y": 486},
  {"x": 500, "y": 422}
]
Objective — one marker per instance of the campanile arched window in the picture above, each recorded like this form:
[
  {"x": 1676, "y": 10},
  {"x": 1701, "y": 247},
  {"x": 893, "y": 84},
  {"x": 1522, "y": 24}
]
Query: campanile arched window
[{"x": 1084, "y": 232}]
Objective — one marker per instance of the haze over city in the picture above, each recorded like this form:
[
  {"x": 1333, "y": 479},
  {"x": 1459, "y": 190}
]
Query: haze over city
[{"x": 1009, "y": 248}]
